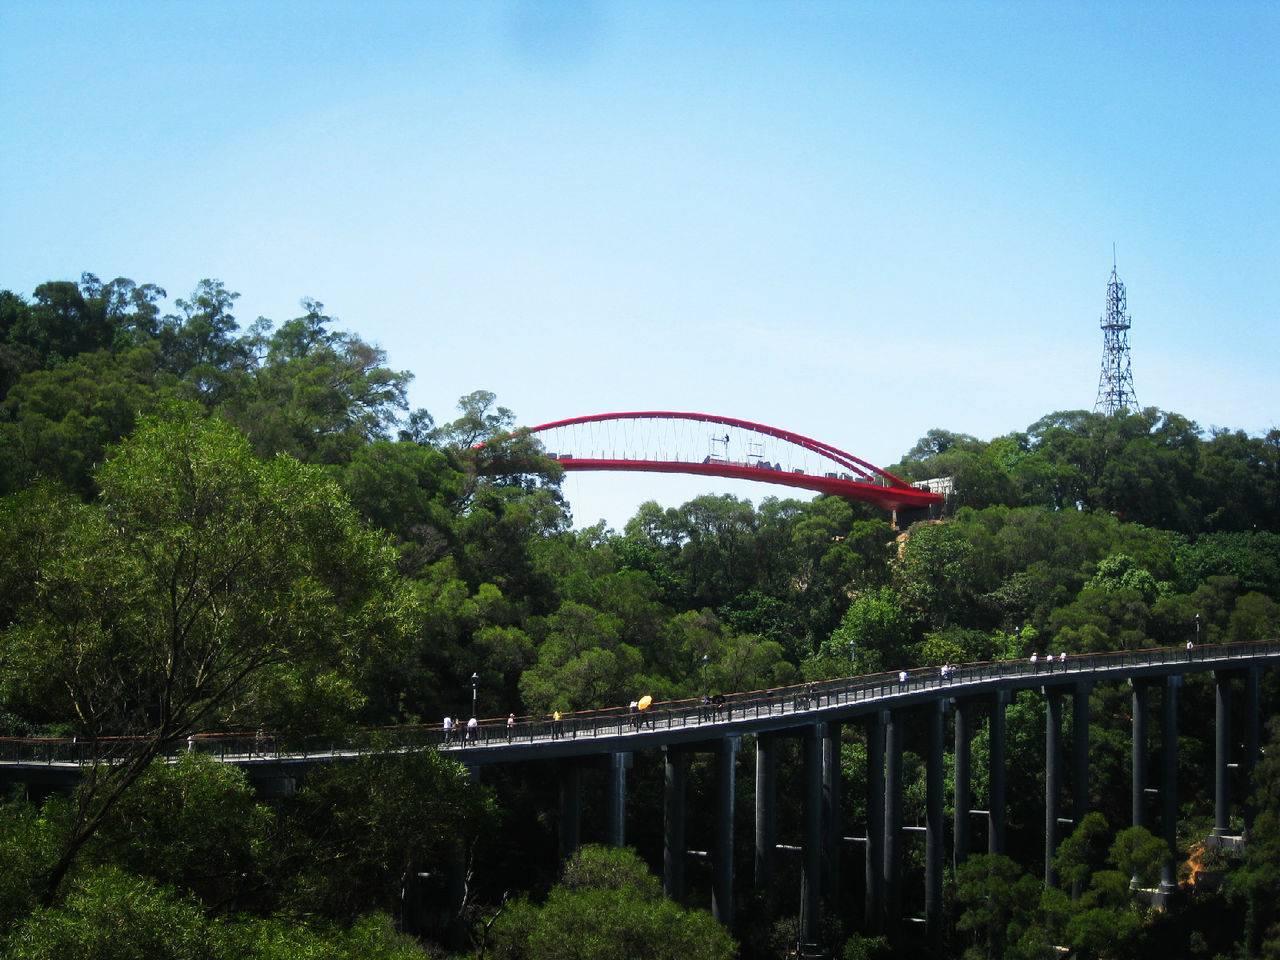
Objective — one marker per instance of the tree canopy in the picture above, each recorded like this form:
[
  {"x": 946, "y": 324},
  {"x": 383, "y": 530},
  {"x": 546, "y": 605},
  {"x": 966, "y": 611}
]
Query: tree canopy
[{"x": 206, "y": 528}]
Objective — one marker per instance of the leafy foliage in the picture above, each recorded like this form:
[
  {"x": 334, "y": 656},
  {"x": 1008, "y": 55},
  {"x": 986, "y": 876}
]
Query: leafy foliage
[
  {"x": 606, "y": 907},
  {"x": 207, "y": 528}
]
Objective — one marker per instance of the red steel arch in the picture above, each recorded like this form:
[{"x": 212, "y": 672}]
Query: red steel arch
[{"x": 872, "y": 484}]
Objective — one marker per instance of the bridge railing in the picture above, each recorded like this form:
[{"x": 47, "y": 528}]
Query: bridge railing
[
  {"x": 679, "y": 714},
  {"x": 263, "y": 746}
]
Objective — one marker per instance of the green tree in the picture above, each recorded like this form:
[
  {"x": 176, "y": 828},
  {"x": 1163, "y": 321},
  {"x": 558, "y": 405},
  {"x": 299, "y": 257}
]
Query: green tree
[
  {"x": 607, "y": 907},
  {"x": 359, "y": 831},
  {"x": 193, "y": 825},
  {"x": 317, "y": 394},
  {"x": 200, "y": 346},
  {"x": 60, "y": 421},
  {"x": 938, "y": 575},
  {"x": 109, "y": 915},
  {"x": 999, "y": 909},
  {"x": 873, "y": 635},
  {"x": 206, "y": 587},
  {"x": 1257, "y": 881}
]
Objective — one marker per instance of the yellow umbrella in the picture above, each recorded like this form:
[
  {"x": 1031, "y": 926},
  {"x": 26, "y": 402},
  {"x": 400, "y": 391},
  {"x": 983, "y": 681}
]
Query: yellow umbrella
[{"x": 644, "y": 702}]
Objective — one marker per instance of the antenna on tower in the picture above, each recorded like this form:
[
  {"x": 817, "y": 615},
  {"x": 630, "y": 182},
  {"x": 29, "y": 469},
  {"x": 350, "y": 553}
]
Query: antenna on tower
[{"x": 1115, "y": 384}]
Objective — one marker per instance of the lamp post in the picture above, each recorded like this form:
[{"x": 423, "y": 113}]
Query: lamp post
[
  {"x": 475, "y": 679},
  {"x": 1197, "y": 629},
  {"x": 706, "y": 658}
]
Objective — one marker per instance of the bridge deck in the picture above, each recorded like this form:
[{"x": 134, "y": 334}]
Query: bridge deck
[{"x": 684, "y": 722}]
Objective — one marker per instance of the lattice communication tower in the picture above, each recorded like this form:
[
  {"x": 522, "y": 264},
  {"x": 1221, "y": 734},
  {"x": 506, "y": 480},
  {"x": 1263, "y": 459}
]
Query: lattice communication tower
[{"x": 1115, "y": 384}]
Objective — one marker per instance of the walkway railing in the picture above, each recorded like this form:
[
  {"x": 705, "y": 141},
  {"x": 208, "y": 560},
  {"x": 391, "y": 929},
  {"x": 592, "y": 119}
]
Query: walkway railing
[{"x": 724, "y": 711}]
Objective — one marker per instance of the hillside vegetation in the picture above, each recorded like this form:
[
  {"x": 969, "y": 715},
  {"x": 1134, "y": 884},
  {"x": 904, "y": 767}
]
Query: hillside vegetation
[{"x": 209, "y": 527}]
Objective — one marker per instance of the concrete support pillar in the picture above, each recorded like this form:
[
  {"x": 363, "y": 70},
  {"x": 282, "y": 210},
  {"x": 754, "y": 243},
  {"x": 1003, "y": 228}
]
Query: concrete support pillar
[
  {"x": 766, "y": 815},
  {"x": 616, "y": 798},
  {"x": 873, "y": 912},
  {"x": 997, "y": 775},
  {"x": 833, "y": 842},
  {"x": 673, "y": 819},
  {"x": 935, "y": 829},
  {"x": 893, "y": 821},
  {"x": 1169, "y": 789},
  {"x": 455, "y": 879},
  {"x": 1138, "y": 754},
  {"x": 963, "y": 782},
  {"x": 455, "y": 931},
  {"x": 722, "y": 832},
  {"x": 1250, "y": 741},
  {"x": 570, "y": 809},
  {"x": 1080, "y": 751},
  {"x": 811, "y": 866},
  {"x": 1222, "y": 755},
  {"x": 1052, "y": 772}
]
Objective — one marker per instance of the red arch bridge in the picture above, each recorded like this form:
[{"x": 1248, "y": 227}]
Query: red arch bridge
[{"x": 664, "y": 441}]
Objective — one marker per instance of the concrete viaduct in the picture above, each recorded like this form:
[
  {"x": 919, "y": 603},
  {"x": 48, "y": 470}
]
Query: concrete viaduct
[{"x": 814, "y": 714}]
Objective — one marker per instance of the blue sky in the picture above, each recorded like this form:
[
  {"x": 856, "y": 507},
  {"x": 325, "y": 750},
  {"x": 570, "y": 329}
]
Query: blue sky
[{"x": 856, "y": 221}]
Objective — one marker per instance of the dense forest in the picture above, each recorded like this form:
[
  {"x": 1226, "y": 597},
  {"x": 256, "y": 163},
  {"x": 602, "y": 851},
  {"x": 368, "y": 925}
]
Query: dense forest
[{"x": 207, "y": 527}]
